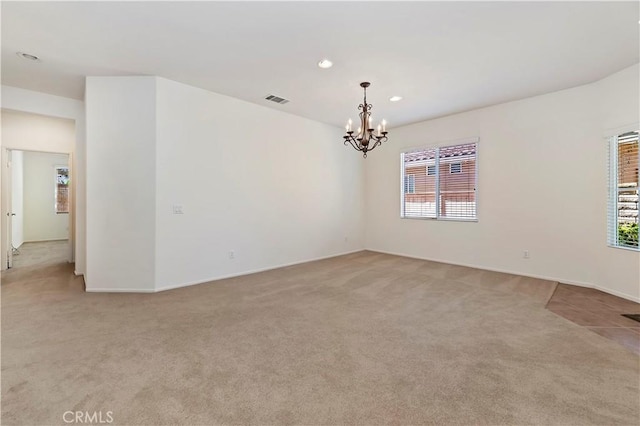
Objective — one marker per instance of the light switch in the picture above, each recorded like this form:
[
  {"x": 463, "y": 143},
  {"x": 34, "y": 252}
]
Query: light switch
[{"x": 177, "y": 209}]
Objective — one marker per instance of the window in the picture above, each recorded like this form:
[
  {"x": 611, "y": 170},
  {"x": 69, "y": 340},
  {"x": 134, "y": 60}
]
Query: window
[
  {"x": 410, "y": 184},
  {"x": 624, "y": 159},
  {"x": 444, "y": 182},
  {"x": 62, "y": 189}
]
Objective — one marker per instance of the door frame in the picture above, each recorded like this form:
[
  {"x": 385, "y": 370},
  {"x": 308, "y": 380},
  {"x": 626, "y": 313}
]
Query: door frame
[
  {"x": 5, "y": 201},
  {"x": 6, "y": 251}
]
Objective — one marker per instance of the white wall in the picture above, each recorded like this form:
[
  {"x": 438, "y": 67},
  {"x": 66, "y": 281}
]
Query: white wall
[
  {"x": 35, "y": 132},
  {"x": 17, "y": 199},
  {"x": 120, "y": 114},
  {"x": 272, "y": 187},
  {"x": 619, "y": 105},
  {"x": 542, "y": 187},
  {"x": 41, "y": 222},
  {"x": 17, "y": 99}
]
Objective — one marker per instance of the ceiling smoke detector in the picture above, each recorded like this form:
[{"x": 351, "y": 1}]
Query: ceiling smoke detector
[
  {"x": 28, "y": 56},
  {"x": 277, "y": 99}
]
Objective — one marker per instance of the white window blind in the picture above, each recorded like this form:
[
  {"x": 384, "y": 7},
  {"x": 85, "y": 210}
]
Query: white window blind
[
  {"x": 444, "y": 182},
  {"x": 410, "y": 184},
  {"x": 622, "y": 218}
]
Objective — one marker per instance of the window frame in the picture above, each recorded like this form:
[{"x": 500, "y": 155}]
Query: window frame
[
  {"x": 57, "y": 188},
  {"x": 437, "y": 146},
  {"x": 458, "y": 164},
  {"x": 614, "y": 189}
]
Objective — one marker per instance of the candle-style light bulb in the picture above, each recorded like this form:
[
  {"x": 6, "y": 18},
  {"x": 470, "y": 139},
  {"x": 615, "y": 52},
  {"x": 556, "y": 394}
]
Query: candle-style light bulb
[
  {"x": 359, "y": 130},
  {"x": 379, "y": 129},
  {"x": 384, "y": 125},
  {"x": 349, "y": 125},
  {"x": 370, "y": 125}
]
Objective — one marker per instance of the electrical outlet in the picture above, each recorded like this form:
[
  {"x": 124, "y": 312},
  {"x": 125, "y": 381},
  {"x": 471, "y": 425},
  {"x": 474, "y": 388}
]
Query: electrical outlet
[
  {"x": 525, "y": 254},
  {"x": 232, "y": 254}
]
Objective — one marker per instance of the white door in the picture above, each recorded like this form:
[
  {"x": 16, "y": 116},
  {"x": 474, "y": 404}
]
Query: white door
[{"x": 7, "y": 211}]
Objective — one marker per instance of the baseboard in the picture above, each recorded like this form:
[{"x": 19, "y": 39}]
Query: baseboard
[
  {"x": 618, "y": 293},
  {"x": 45, "y": 241},
  {"x": 253, "y": 271},
  {"x": 505, "y": 271},
  {"x": 119, "y": 290}
]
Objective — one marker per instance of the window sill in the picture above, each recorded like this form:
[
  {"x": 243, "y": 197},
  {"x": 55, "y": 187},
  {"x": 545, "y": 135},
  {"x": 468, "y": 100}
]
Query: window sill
[
  {"x": 636, "y": 249},
  {"x": 442, "y": 219}
]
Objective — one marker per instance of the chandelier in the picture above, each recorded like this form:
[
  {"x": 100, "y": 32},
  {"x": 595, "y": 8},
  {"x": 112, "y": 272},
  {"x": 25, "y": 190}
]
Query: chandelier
[{"x": 366, "y": 139}]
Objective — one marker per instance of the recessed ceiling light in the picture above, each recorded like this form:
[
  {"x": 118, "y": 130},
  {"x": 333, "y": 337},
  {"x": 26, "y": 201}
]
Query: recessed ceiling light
[
  {"x": 325, "y": 63},
  {"x": 28, "y": 56},
  {"x": 395, "y": 98}
]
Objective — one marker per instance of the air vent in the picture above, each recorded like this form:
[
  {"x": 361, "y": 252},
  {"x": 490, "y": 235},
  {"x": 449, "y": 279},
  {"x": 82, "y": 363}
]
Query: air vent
[{"x": 277, "y": 99}]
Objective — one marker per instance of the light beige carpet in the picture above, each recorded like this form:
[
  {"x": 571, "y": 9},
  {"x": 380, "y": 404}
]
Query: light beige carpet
[
  {"x": 41, "y": 252},
  {"x": 359, "y": 339}
]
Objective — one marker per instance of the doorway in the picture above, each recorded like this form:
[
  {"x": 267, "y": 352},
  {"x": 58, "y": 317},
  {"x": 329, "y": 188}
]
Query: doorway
[{"x": 38, "y": 206}]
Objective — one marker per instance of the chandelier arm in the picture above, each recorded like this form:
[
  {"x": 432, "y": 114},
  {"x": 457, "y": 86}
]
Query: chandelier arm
[
  {"x": 379, "y": 141},
  {"x": 350, "y": 141}
]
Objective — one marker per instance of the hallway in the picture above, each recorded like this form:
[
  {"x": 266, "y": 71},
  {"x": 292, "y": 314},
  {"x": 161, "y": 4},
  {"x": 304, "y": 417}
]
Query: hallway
[{"x": 41, "y": 253}]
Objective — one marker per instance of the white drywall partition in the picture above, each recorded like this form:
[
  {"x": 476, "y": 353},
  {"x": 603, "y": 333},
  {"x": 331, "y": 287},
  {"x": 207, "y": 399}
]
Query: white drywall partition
[
  {"x": 186, "y": 186},
  {"x": 258, "y": 188},
  {"x": 35, "y": 132},
  {"x": 120, "y": 183}
]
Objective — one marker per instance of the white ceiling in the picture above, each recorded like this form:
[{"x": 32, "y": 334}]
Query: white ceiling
[{"x": 442, "y": 57}]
